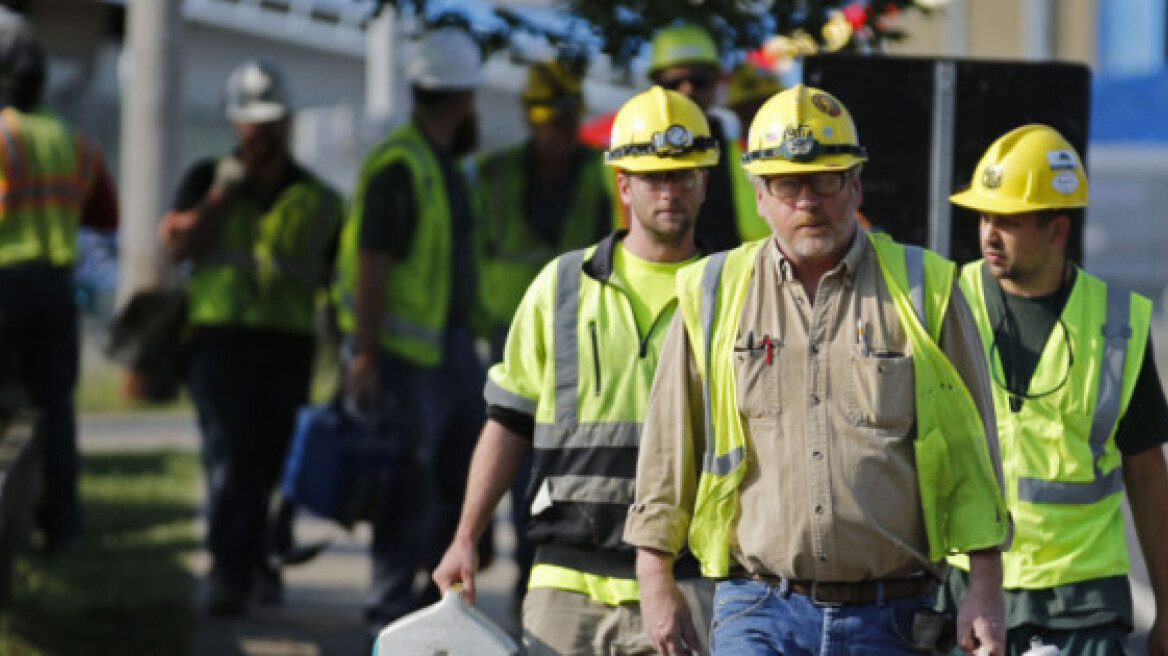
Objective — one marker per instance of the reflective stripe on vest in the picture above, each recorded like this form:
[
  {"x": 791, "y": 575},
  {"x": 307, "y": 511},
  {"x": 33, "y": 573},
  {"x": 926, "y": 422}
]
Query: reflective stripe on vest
[
  {"x": 567, "y": 431},
  {"x": 715, "y": 464},
  {"x": 914, "y": 266},
  {"x": 1116, "y": 332}
]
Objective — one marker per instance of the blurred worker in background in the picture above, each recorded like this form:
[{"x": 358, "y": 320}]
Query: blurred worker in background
[
  {"x": 407, "y": 288},
  {"x": 260, "y": 232},
  {"x": 1080, "y": 411},
  {"x": 683, "y": 58},
  {"x": 748, "y": 88},
  {"x": 536, "y": 200},
  {"x": 52, "y": 180},
  {"x": 572, "y": 386}
]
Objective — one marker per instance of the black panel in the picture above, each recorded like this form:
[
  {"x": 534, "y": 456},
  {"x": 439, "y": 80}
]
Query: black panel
[{"x": 891, "y": 100}]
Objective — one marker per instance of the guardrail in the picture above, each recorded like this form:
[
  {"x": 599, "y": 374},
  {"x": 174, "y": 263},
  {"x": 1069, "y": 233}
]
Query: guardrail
[{"x": 20, "y": 464}]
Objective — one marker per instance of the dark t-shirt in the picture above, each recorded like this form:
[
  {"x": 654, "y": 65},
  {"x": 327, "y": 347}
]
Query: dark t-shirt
[
  {"x": 390, "y": 197},
  {"x": 547, "y": 208},
  {"x": 717, "y": 225},
  {"x": 1022, "y": 333}
]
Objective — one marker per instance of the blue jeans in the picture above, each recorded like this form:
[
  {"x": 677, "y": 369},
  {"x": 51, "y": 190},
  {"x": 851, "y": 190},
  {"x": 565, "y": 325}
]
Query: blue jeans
[
  {"x": 436, "y": 414},
  {"x": 754, "y": 618}
]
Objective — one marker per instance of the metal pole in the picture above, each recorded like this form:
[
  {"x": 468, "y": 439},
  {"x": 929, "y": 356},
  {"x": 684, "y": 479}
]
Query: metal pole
[{"x": 152, "y": 113}]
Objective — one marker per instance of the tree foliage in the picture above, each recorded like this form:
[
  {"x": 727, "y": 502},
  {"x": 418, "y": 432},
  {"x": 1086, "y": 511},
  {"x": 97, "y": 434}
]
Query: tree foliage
[{"x": 619, "y": 28}]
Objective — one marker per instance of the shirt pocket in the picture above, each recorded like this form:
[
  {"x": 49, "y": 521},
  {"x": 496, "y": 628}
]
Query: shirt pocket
[
  {"x": 756, "y": 374},
  {"x": 882, "y": 391}
]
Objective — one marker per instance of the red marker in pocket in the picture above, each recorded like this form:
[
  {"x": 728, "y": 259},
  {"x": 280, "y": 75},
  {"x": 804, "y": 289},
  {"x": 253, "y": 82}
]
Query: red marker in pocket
[{"x": 766, "y": 342}]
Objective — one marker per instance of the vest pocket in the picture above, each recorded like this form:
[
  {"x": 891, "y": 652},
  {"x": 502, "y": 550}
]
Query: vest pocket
[
  {"x": 882, "y": 391},
  {"x": 756, "y": 374}
]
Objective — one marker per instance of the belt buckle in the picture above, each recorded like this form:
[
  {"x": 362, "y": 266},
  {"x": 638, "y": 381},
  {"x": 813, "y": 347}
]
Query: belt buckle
[{"x": 815, "y": 596}]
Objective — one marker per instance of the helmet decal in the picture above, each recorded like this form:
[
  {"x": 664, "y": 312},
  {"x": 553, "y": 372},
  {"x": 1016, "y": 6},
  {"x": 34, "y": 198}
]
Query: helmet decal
[
  {"x": 1061, "y": 160},
  {"x": 991, "y": 178},
  {"x": 825, "y": 104},
  {"x": 1065, "y": 182}
]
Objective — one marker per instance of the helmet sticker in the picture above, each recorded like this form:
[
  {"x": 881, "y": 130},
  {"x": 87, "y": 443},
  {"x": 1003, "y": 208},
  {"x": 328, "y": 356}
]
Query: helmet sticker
[
  {"x": 991, "y": 178},
  {"x": 828, "y": 132},
  {"x": 825, "y": 104},
  {"x": 1061, "y": 160},
  {"x": 1065, "y": 182}
]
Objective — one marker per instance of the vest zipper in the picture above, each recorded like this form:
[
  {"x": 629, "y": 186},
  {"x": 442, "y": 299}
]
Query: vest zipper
[{"x": 595, "y": 355}]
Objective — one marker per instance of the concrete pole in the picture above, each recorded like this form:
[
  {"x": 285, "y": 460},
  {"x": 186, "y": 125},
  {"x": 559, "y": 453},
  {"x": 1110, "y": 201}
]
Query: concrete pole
[{"x": 152, "y": 113}]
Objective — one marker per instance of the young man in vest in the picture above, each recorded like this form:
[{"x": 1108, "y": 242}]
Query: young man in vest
[
  {"x": 683, "y": 58},
  {"x": 261, "y": 234},
  {"x": 572, "y": 388},
  {"x": 812, "y": 435},
  {"x": 407, "y": 286},
  {"x": 536, "y": 199},
  {"x": 1080, "y": 411},
  {"x": 52, "y": 180}
]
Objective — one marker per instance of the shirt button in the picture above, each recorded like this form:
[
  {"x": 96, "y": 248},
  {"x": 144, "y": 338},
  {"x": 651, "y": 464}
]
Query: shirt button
[
  {"x": 818, "y": 455},
  {"x": 814, "y": 348},
  {"x": 818, "y": 510},
  {"x": 814, "y": 399}
]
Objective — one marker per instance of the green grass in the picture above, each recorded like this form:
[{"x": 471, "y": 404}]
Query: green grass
[{"x": 128, "y": 589}]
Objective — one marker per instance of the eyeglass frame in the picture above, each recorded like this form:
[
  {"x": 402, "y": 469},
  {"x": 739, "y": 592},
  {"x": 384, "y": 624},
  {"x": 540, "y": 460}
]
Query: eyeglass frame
[
  {"x": 659, "y": 178},
  {"x": 806, "y": 179}
]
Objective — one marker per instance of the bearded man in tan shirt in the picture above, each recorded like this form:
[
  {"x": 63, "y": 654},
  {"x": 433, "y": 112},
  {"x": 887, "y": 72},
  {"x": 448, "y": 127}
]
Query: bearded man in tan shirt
[{"x": 817, "y": 430}]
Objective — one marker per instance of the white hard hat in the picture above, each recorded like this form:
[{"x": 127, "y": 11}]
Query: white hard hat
[
  {"x": 256, "y": 93},
  {"x": 446, "y": 59}
]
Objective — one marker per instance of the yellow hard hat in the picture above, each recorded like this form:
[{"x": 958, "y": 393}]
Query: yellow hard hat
[
  {"x": 552, "y": 89},
  {"x": 659, "y": 130},
  {"x": 749, "y": 82},
  {"x": 800, "y": 130},
  {"x": 1028, "y": 169},
  {"x": 682, "y": 44}
]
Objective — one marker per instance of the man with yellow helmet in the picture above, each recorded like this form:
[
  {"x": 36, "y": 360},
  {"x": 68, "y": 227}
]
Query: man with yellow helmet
[
  {"x": 684, "y": 58},
  {"x": 1080, "y": 410},
  {"x": 535, "y": 200},
  {"x": 816, "y": 423},
  {"x": 572, "y": 387}
]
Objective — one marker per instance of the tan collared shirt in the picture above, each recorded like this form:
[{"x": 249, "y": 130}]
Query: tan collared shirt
[{"x": 830, "y": 491}]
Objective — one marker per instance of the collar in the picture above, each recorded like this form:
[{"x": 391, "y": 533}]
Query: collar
[{"x": 599, "y": 266}]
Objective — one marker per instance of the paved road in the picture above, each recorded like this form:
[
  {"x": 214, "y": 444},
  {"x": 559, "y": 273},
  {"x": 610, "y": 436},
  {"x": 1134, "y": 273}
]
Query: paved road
[{"x": 322, "y": 614}]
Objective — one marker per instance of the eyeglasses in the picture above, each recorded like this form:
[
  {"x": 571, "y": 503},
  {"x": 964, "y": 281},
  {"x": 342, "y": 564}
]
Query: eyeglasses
[
  {"x": 823, "y": 183},
  {"x": 696, "y": 80},
  {"x": 682, "y": 178},
  {"x": 1018, "y": 396}
]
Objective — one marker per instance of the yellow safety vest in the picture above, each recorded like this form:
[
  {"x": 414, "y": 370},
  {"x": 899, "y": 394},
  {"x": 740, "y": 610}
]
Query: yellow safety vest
[
  {"x": 46, "y": 171},
  {"x": 961, "y": 501},
  {"x": 511, "y": 254},
  {"x": 417, "y": 292},
  {"x": 1062, "y": 469},
  {"x": 578, "y": 334},
  {"x": 265, "y": 267}
]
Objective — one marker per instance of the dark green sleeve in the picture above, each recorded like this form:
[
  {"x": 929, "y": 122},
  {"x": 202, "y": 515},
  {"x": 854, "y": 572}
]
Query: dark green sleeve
[
  {"x": 1145, "y": 425},
  {"x": 388, "y": 216}
]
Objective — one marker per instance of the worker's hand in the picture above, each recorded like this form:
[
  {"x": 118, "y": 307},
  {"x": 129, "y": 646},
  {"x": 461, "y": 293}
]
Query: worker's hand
[
  {"x": 361, "y": 386},
  {"x": 229, "y": 174},
  {"x": 664, "y": 613},
  {"x": 981, "y": 620},
  {"x": 1158, "y": 637},
  {"x": 458, "y": 565}
]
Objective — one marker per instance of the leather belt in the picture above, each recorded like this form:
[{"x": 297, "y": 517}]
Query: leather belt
[{"x": 844, "y": 593}]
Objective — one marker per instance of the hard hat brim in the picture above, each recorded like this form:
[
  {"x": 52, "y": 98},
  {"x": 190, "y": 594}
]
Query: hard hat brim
[
  {"x": 979, "y": 201},
  {"x": 261, "y": 112},
  {"x": 782, "y": 166},
  {"x": 641, "y": 163}
]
